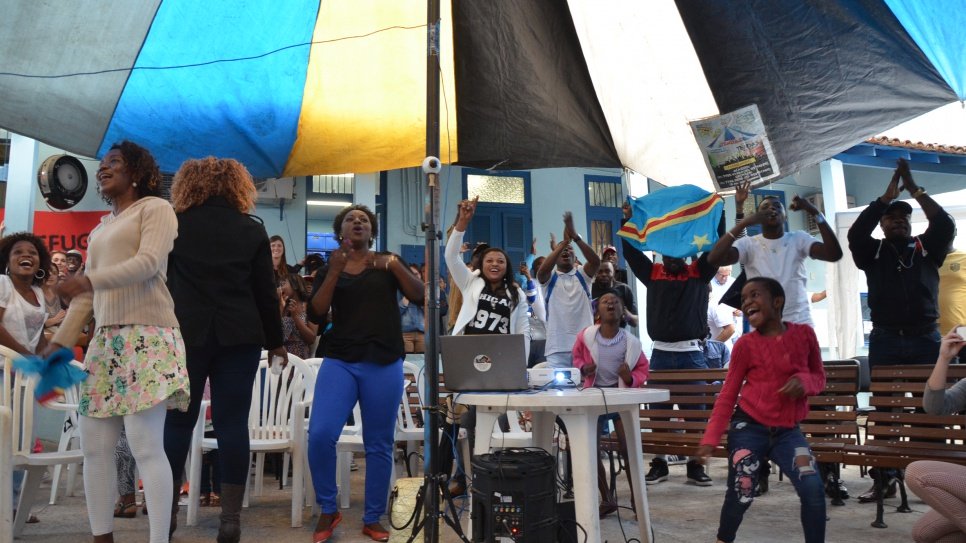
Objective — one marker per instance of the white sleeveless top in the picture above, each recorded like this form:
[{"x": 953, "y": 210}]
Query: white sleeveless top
[{"x": 23, "y": 320}]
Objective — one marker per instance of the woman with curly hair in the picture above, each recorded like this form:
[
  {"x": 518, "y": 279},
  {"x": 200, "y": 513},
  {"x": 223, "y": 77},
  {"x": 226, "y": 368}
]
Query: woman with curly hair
[
  {"x": 363, "y": 362},
  {"x": 225, "y": 298},
  {"x": 23, "y": 311},
  {"x": 136, "y": 357}
]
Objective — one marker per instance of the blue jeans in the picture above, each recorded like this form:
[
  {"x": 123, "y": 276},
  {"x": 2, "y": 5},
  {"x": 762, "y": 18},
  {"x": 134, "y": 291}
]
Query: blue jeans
[
  {"x": 888, "y": 348},
  {"x": 678, "y": 360},
  {"x": 378, "y": 389},
  {"x": 674, "y": 360},
  {"x": 231, "y": 371},
  {"x": 749, "y": 444}
]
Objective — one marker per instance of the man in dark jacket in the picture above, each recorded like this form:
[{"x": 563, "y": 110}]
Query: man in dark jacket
[{"x": 902, "y": 272}]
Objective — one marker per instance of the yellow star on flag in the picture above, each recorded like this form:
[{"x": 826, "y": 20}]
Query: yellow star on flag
[{"x": 700, "y": 241}]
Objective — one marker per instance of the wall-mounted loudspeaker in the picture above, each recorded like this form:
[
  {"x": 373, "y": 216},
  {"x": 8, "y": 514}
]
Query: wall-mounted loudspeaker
[{"x": 63, "y": 181}]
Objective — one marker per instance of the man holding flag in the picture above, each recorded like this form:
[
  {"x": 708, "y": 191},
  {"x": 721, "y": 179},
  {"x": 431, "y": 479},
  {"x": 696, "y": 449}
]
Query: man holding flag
[{"x": 676, "y": 222}]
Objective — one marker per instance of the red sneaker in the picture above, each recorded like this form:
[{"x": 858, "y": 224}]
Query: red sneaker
[
  {"x": 322, "y": 535},
  {"x": 376, "y": 532}
]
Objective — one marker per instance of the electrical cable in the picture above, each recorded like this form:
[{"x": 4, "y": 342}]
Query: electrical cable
[{"x": 211, "y": 62}]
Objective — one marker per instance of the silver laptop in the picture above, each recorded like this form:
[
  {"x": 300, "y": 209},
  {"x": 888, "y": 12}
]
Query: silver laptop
[{"x": 484, "y": 363}]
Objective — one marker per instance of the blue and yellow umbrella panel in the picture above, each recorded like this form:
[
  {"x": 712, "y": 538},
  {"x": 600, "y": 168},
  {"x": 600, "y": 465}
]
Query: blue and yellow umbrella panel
[{"x": 302, "y": 87}]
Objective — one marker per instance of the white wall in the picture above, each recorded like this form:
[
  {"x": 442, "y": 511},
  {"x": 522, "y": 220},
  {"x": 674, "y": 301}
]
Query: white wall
[
  {"x": 288, "y": 222},
  {"x": 867, "y": 184}
]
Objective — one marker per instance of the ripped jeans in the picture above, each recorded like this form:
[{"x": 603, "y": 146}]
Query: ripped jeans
[{"x": 749, "y": 443}]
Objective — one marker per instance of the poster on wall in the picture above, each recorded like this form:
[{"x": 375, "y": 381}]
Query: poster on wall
[
  {"x": 64, "y": 231},
  {"x": 736, "y": 149}
]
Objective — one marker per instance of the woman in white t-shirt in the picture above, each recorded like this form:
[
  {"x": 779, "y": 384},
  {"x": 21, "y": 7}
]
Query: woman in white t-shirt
[
  {"x": 23, "y": 262},
  {"x": 23, "y": 258}
]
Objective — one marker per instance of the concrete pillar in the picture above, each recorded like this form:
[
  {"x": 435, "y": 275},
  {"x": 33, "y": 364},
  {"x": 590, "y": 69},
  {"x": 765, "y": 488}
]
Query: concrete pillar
[
  {"x": 840, "y": 278},
  {"x": 21, "y": 184}
]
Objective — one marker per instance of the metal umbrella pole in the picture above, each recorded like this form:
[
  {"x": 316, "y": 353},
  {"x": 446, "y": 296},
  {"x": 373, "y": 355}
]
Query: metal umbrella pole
[{"x": 431, "y": 168}]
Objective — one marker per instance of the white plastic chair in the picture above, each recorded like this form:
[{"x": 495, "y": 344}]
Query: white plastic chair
[
  {"x": 6, "y": 475},
  {"x": 276, "y": 423},
  {"x": 516, "y": 437},
  {"x": 69, "y": 438},
  {"x": 17, "y": 392}
]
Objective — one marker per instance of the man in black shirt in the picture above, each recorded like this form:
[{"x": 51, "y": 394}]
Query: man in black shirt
[{"x": 902, "y": 272}]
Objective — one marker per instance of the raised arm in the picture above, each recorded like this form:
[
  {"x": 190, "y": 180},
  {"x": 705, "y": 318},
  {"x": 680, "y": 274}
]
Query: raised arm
[
  {"x": 454, "y": 262},
  {"x": 591, "y": 259},
  {"x": 829, "y": 248},
  {"x": 639, "y": 264},
  {"x": 546, "y": 267},
  {"x": 937, "y": 400}
]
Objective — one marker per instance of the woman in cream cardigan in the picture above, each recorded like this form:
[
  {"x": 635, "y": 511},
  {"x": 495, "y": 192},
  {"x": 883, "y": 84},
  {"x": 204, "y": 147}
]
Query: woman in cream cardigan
[{"x": 136, "y": 357}]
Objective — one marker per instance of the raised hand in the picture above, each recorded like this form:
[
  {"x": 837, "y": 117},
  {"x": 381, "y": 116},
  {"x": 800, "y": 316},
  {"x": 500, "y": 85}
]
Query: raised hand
[
  {"x": 892, "y": 191},
  {"x": 802, "y": 204},
  {"x": 569, "y": 230},
  {"x": 524, "y": 270},
  {"x": 466, "y": 210},
  {"x": 905, "y": 174},
  {"x": 741, "y": 194}
]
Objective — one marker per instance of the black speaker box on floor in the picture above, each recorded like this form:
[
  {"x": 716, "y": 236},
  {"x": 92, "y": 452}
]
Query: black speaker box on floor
[{"x": 514, "y": 496}]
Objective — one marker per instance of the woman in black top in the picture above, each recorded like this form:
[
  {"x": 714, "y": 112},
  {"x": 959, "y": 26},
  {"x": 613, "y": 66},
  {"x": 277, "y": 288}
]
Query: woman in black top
[
  {"x": 220, "y": 276},
  {"x": 363, "y": 362}
]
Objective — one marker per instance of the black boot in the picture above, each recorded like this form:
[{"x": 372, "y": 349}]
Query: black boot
[
  {"x": 175, "y": 498},
  {"x": 231, "y": 503}
]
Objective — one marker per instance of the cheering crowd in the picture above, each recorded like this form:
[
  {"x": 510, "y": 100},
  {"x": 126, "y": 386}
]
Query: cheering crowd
[{"x": 161, "y": 311}]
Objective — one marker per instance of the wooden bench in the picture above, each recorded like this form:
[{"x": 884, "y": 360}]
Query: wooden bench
[
  {"x": 831, "y": 420},
  {"x": 899, "y": 432},
  {"x": 676, "y": 426}
]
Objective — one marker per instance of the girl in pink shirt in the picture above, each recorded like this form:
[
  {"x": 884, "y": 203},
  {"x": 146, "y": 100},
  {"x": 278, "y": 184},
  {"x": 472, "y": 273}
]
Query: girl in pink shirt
[{"x": 774, "y": 368}]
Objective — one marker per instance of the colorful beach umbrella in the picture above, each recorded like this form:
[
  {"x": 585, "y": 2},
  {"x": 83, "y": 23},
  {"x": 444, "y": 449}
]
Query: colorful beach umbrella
[{"x": 307, "y": 87}]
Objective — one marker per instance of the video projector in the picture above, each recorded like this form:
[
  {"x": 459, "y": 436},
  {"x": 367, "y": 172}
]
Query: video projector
[{"x": 553, "y": 377}]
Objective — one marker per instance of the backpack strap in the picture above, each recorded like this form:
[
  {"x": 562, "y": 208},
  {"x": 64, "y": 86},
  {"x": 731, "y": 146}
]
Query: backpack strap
[
  {"x": 546, "y": 297},
  {"x": 553, "y": 281}
]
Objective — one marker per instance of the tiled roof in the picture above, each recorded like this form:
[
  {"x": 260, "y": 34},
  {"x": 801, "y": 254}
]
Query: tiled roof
[{"x": 919, "y": 146}]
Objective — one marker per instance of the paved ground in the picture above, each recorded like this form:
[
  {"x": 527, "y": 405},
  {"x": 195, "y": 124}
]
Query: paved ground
[{"x": 680, "y": 513}]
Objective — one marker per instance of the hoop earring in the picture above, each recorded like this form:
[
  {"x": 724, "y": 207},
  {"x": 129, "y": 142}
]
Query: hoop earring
[{"x": 41, "y": 274}]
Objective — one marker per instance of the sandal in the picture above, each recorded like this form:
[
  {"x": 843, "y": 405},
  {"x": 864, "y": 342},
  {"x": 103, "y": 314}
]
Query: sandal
[
  {"x": 215, "y": 500},
  {"x": 126, "y": 509},
  {"x": 205, "y": 501}
]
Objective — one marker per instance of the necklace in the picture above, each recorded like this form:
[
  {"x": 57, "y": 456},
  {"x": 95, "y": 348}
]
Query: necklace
[{"x": 900, "y": 265}]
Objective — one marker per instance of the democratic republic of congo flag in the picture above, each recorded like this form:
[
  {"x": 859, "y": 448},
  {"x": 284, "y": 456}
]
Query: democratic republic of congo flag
[{"x": 677, "y": 221}]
